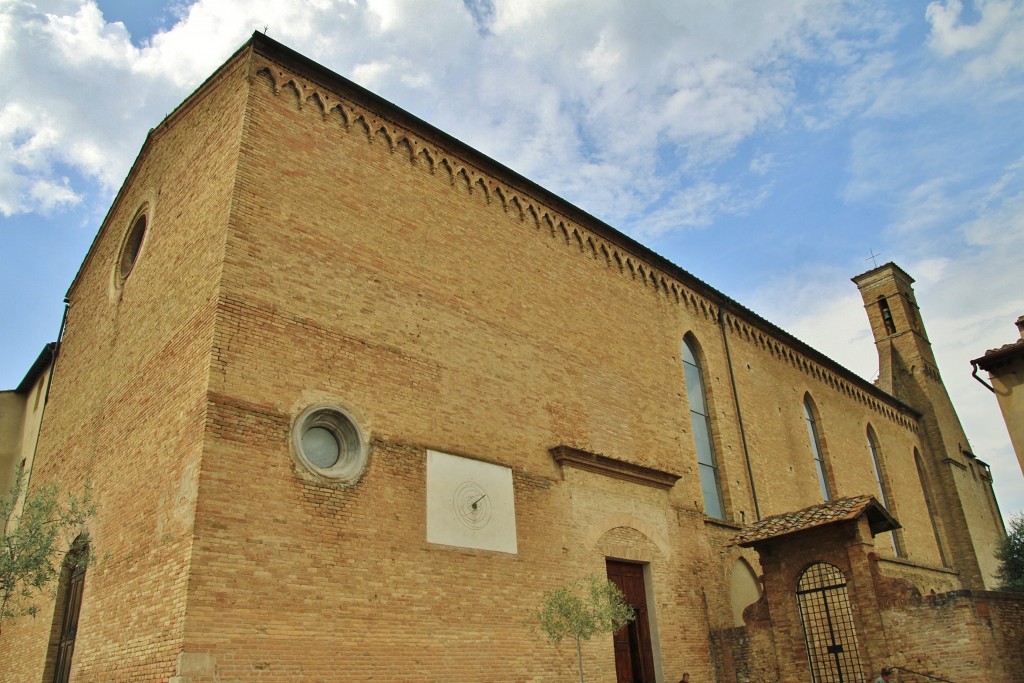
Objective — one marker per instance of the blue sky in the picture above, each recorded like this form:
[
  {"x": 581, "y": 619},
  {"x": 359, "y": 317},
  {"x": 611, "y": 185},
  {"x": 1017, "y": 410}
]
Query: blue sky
[{"x": 768, "y": 148}]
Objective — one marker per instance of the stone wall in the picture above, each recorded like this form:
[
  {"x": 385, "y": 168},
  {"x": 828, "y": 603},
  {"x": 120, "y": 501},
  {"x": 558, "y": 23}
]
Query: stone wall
[{"x": 959, "y": 636}]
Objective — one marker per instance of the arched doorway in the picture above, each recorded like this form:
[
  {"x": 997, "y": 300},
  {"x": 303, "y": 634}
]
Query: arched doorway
[
  {"x": 829, "y": 631},
  {"x": 65, "y": 616}
]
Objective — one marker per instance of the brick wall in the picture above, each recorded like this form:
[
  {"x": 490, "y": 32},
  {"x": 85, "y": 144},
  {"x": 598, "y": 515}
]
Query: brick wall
[
  {"x": 381, "y": 275},
  {"x": 956, "y": 636},
  {"x": 126, "y": 410},
  {"x": 959, "y": 636}
]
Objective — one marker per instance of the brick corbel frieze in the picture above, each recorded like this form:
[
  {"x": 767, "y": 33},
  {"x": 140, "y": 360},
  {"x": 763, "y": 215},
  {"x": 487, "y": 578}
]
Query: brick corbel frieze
[
  {"x": 350, "y": 116},
  {"x": 567, "y": 456}
]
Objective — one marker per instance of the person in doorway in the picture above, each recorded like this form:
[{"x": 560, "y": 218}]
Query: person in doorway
[{"x": 886, "y": 675}]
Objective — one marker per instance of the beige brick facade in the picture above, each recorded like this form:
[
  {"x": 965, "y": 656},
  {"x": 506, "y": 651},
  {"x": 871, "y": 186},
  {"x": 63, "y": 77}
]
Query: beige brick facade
[
  {"x": 309, "y": 243},
  {"x": 1005, "y": 368}
]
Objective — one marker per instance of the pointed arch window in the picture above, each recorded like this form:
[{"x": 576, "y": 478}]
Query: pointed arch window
[
  {"x": 700, "y": 421},
  {"x": 819, "y": 457},
  {"x": 883, "y": 490},
  {"x": 877, "y": 467},
  {"x": 64, "y": 628},
  {"x": 930, "y": 506}
]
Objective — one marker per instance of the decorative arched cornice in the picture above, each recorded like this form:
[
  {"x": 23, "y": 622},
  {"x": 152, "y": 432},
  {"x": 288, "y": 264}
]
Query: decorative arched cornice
[
  {"x": 748, "y": 334},
  {"x": 458, "y": 172}
]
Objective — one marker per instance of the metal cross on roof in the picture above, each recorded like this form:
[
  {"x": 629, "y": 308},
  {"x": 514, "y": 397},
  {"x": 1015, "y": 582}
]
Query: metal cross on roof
[{"x": 873, "y": 258}]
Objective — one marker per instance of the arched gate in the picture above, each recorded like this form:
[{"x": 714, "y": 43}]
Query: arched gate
[{"x": 829, "y": 631}]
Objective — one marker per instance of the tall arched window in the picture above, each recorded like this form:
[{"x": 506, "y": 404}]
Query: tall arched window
[
  {"x": 707, "y": 464},
  {"x": 930, "y": 506},
  {"x": 883, "y": 491},
  {"x": 819, "y": 457}
]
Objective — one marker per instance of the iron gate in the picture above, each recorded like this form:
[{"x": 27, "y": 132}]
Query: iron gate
[{"x": 829, "y": 632}]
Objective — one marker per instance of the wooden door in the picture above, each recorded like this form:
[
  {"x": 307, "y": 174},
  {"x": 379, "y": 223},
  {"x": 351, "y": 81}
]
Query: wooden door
[
  {"x": 69, "y": 624},
  {"x": 634, "y": 658}
]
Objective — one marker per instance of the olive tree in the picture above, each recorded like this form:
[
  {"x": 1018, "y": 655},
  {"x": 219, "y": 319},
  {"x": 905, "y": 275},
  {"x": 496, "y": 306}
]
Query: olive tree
[
  {"x": 34, "y": 539},
  {"x": 581, "y": 609}
]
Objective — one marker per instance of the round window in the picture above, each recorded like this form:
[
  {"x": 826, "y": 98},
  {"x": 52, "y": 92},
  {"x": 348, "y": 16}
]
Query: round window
[
  {"x": 329, "y": 443},
  {"x": 132, "y": 246}
]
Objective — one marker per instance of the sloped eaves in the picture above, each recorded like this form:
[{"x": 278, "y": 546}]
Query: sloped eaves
[
  {"x": 835, "y": 512},
  {"x": 151, "y": 139},
  {"x": 996, "y": 357}
]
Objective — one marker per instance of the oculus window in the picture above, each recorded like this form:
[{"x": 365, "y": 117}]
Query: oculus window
[
  {"x": 329, "y": 444},
  {"x": 132, "y": 245}
]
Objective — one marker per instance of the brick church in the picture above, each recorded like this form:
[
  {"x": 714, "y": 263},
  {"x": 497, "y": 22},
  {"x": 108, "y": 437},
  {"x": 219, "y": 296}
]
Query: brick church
[{"x": 353, "y": 397}]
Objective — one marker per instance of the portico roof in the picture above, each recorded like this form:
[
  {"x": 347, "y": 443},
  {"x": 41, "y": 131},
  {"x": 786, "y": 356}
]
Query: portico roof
[{"x": 841, "y": 510}]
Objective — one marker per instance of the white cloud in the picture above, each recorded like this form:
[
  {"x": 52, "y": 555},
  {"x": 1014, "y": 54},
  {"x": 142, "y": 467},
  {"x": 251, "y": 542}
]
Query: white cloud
[
  {"x": 926, "y": 206},
  {"x": 49, "y": 195},
  {"x": 995, "y": 42},
  {"x": 967, "y": 276},
  {"x": 949, "y": 35},
  {"x": 694, "y": 206},
  {"x": 370, "y": 74},
  {"x": 819, "y": 306},
  {"x": 581, "y": 96},
  {"x": 762, "y": 164},
  {"x": 87, "y": 95},
  {"x": 858, "y": 88},
  {"x": 25, "y": 140},
  {"x": 75, "y": 87},
  {"x": 84, "y": 38}
]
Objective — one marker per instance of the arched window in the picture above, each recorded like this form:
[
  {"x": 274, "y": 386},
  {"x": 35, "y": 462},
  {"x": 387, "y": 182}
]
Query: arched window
[
  {"x": 707, "y": 464},
  {"x": 819, "y": 457},
  {"x": 64, "y": 628},
  {"x": 883, "y": 308},
  {"x": 883, "y": 491},
  {"x": 930, "y": 506}
]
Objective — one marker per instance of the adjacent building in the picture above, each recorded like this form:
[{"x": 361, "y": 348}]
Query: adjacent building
[
  {"x": 21, "y": 413},
  {"x": 1005, "y": 368}
]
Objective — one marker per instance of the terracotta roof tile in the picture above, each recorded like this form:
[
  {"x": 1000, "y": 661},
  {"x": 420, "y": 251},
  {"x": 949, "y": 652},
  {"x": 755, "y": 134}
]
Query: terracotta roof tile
[
  {"x": 841, "y": 510},
  {"x": 994, "y": 356}
]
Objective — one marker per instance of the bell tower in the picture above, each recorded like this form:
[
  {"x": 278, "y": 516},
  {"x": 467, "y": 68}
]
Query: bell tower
[
  {"x": 896, "y": 325},
  {"x": 969, "y": 523}
]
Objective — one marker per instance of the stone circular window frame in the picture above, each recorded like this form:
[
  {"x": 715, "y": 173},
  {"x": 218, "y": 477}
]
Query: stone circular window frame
[
  {"x": 132, "y": 244},
  {"x": 352, "y": 457}
]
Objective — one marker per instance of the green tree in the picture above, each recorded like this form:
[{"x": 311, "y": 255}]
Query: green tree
[
  {"x": 581, "y": 609},
  {"x": 1010, "y": 554},
  {"x": 32, "y": 552}
]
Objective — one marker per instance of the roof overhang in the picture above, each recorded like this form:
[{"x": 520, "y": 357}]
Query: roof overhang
[
  {"x": 38, "y": 367},
  {"x": 816, "y": 517}
]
